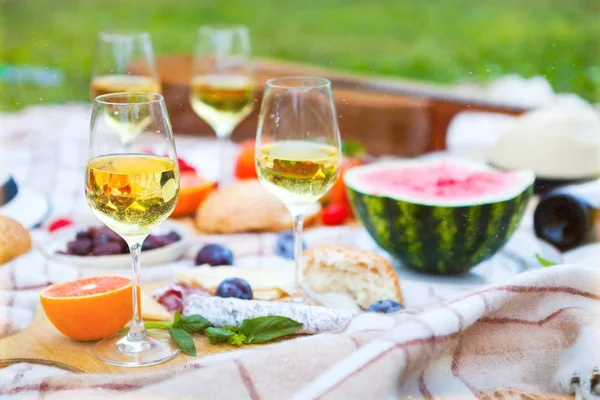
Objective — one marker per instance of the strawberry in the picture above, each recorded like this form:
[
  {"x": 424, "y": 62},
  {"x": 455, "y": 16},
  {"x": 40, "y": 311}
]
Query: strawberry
[
  {"x": 335, "y": 214},
  {"x": 184, "y": 166},
  {"x": 59, "y": 223}
]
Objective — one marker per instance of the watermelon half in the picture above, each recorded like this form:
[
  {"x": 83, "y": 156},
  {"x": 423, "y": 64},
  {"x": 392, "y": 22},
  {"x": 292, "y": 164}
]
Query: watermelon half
[{"x": 440, "y": 216}]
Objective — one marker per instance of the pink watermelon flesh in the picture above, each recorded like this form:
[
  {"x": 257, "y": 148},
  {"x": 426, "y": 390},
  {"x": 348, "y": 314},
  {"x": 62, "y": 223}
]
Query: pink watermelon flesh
[{"x": 435, "y": 182}]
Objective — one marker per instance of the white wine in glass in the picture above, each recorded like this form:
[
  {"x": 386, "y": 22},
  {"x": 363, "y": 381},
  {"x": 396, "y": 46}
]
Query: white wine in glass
[
  {"x": 298, "y": 149},
  {"x": 124, "y": 62},
  {"x": 298, "y": 172},
  {"x": 107, "y": 84},
  {"x": 132, "y": 193},
  {"x": 222, "y": 100},
  {"x": 222, "y": 85}
]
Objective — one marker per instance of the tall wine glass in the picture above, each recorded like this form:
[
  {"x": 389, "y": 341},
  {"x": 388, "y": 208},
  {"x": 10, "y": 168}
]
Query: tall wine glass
[
  {"x": 124, "y": 62},
  {"x": 298, "y": 149},
  {"x": 222, "y": 85},
  {"x": 132, "y": 192}
]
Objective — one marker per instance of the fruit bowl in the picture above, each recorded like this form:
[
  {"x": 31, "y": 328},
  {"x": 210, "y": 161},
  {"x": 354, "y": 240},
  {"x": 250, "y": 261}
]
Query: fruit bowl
[
  {"x": 57, "y": 242},
  {"x": 439, "y": 216}
]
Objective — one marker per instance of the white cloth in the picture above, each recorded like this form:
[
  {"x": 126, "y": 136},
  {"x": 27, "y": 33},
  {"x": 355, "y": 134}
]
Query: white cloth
[{"x": 448, "y": 341}]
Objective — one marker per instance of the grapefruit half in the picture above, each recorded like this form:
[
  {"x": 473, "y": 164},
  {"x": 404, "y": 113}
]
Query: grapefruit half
[{"x": 89, "y": 308}]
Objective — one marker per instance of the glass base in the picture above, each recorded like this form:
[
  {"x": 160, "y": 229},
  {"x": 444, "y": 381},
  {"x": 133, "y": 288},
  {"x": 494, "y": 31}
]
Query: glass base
[
  {"x": 303, "y": 295},
  {"x": 118, "y": 350}
]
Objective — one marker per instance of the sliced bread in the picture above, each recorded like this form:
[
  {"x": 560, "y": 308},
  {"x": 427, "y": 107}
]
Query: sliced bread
[{"x": 364, "y": 275}]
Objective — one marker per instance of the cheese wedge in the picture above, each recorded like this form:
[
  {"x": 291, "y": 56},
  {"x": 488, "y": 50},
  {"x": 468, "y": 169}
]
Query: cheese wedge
[
  {"x": 267, "y": 283},
  {"x": 152, "y": 309}
]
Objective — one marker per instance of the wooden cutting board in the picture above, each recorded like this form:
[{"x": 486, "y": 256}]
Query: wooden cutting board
[{"x": 42, "y": 343}]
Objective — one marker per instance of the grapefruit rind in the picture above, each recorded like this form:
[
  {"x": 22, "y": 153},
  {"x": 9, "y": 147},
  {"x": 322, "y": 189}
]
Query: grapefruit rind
[{"x": 91, "y": 316}]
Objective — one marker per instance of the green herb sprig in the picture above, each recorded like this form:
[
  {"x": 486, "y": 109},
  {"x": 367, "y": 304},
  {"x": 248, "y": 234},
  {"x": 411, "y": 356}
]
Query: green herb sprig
[
  {"x": 252, "y": 330},
  {"x": 544, "y": 262}
]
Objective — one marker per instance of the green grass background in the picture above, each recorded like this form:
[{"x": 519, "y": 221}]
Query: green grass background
[{"x": 444, "y": 41}]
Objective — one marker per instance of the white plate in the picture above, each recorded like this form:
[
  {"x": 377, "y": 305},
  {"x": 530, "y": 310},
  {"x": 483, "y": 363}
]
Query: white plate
[
  {"x": 59, "y": 239},
  {"x": 28, "y": 207}
]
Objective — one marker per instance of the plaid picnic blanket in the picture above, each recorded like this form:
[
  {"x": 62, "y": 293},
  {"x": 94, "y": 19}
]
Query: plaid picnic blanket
[{"x": 530, "y": 332}]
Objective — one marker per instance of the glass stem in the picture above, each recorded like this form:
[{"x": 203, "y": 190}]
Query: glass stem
[
  {"x": 137, "y": 331},
  {"x": 223, "y": 136},
  {"x": 298, "y": 250}
]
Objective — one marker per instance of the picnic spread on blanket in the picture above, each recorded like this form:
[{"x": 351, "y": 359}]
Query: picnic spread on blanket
[{"x": 136, "y": 262}]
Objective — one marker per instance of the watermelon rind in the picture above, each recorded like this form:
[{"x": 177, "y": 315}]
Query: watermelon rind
[{"x": 439, "y": 236}]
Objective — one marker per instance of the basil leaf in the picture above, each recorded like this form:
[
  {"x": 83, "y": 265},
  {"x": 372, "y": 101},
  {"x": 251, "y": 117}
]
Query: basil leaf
[
  {"x": 176, "y": 319},
  {"x": 544, "y": 262},
  {"x": 263, "y": 329},
  {"x": 218, "y": 335},
  {"x": 184, "y": 340},
  {"x": 194, "y": 323},
  {"x": 233, "y": 329}
]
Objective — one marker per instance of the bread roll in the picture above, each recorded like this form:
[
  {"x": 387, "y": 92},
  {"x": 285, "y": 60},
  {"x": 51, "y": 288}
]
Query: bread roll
[
  {"x": 366, "y": 276},
  {"x": 14, "y": 239},
  {"x": 245, "y": 206}
]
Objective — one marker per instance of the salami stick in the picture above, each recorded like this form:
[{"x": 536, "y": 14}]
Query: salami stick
[{"x": 231, "y": 312}]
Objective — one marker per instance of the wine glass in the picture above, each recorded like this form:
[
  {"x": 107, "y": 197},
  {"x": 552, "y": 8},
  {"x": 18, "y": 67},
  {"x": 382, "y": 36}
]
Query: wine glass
[
  {"x": 298, "y": 149},
  {"x": 124, "y": 62},
  {"x": 132, "y": 192},
  {"x": 222, "y": 85}
]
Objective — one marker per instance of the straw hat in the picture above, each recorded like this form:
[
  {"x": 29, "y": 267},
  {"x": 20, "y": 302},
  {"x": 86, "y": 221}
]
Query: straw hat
[{"x": 559, "y": 141}]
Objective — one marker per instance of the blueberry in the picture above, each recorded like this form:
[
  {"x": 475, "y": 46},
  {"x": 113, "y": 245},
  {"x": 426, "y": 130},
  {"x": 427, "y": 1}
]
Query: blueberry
[
  {"x": 214, "y": 254},
  {"x": 385, "y": 306},
  {"x": 285, "y": 245},
  {"x": 234, "y": 287},
  {"x": 106, "y": 249},
  {"x": 83, "y": 235},
  {"x": 79, "y": 247},
  {"x": 152, "y": 242}
]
